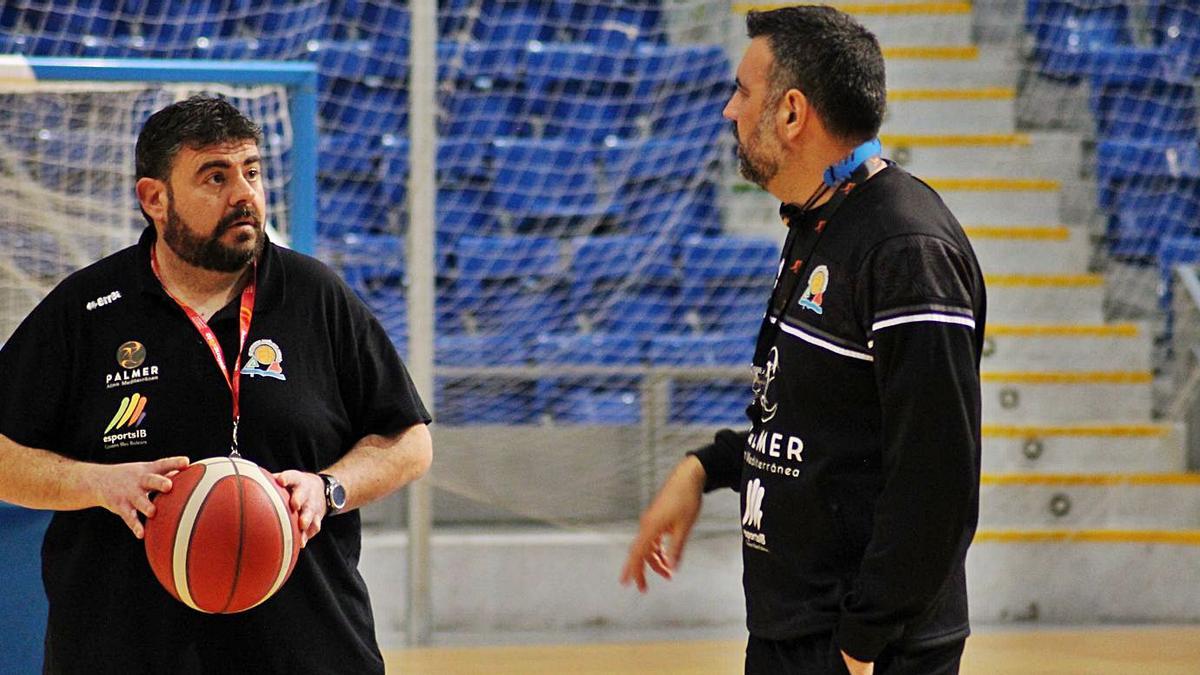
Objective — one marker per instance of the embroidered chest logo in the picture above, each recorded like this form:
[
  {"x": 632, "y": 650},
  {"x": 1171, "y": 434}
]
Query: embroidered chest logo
[
  {"x": 265, "y": 360},
  {"x": 772, "y": 367},
  {"x": 125, "y": 427},
  {"x": 814, "y": 294},
  {"x": 131, "y": 357},
  {"x": 752, "y": 515}
]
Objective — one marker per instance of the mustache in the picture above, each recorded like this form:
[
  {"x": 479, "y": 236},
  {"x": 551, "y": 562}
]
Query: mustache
[
  {"x": 244, "y": 212},
  {"x": 733, "y": 130}
]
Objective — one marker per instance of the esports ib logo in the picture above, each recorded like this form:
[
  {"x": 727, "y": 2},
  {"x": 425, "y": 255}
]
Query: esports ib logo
[
  {"x": 131, "y": 354},
  {"x": 266, "y": 360}
]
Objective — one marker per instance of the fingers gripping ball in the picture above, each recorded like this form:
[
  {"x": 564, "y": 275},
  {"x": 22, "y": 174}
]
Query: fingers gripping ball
[{"x": 224, "y": 539}]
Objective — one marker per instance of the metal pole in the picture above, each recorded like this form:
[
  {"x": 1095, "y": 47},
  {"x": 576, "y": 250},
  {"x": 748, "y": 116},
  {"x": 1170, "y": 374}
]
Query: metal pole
[{"x": 422, "y": 201}]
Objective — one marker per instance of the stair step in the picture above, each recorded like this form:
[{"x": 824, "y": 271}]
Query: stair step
[
  {"x": 960, "y": 110},
  {"x": 1045, "y": 298},
  {"x": 1077, "y": 500},
  {"x": 1078, "y": 347},
  {"x": 1030, "y": 249},
  {"x": 1100, "y": 447},
  {"x": 980, "y": 155},
  {"x": 1066, "y": 396}
]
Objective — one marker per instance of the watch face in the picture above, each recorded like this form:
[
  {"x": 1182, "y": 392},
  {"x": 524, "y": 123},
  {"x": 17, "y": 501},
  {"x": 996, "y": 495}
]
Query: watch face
[{"x": 338, "y": 496}]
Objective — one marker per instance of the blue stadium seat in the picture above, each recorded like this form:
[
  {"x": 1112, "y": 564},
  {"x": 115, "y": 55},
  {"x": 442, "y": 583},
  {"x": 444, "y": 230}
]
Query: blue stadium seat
[
  {"x": 676, "y": 213},
  {"x": 605, "y": 112},
  {"x": 283, "y": 27},
  {"x": 727, "y": 281},
  {"x": 612, "y": 24},
  {"x": 708, "y": 403},
  {"x": 178, "y": 25},
  {"x": 506, "y": 284},
  {"x": 460, "y": 212},
  {"x": 1125, "y": 162},
  {"x": 1175, "y": 25},
  {"x": 590, "y": 399},
  {"x": 1144, "y": 212},
  {"x": 485, "y": 112},
  {"x": 348, "y": 206},
  {"x": 472, "y": 401},
  {"x": 358, "y": 60},
  {"x": 548, "y": 63},
  {"x": 371, "y": 105},
  {"x": 1067, "y": 32},
  {"x": 482, "y": 64},
  {"x": 1155, "y": 107},
  {"x": 710, "y": 349},
  {"x": 349, "y": 154},
  {"x": 471, "y": 351},
  {"x": 544, "y": 184},
  {"x": 54, "y": 29},
  {"x": 625, "y": 285},
  {"x": 662, "y": 161},
  {"x": 515, "y": 21},
  {"x": 388, "y": 24}
]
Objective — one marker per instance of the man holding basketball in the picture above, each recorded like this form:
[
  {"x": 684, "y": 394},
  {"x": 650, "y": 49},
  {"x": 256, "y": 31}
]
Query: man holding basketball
[
  {"x": 201, "y": 338},
  {"x": 860, "y": 474}
]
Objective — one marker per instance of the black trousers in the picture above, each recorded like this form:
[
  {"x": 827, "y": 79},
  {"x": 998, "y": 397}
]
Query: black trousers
[{"x": 818, "y": 655}]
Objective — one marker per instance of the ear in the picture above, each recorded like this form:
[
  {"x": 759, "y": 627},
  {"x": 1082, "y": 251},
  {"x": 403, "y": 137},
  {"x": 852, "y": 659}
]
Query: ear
[
  {"x": 793, "y": 109},
  {"x": 152, "y": 194}
]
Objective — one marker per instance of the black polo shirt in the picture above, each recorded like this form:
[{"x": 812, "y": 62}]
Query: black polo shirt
[{"x": 108, "y": 369}]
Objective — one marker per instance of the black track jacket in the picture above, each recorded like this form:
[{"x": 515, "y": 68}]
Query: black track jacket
[{"x": 860, "y": 484}]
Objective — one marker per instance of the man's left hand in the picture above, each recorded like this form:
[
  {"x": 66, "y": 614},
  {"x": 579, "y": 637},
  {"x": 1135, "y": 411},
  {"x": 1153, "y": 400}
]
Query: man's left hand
[
  {"x": 308, "y": 500},
  {"x": 857, "y": 667}
]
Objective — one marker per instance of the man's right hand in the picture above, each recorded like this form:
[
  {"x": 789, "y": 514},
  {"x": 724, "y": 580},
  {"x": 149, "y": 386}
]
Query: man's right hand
[
  {"x": 673, "y": 513},
  {"x": 125, "y": 489}
]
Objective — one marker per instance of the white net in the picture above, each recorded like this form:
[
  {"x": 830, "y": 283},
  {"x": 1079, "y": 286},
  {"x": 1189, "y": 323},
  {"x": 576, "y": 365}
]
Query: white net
[
  {"x": 67, "y": 175},
  {"x": 600, "y": 267}
]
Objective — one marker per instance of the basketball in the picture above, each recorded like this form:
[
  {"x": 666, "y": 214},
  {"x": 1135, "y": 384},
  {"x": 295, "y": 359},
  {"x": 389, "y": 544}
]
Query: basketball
[{"x": 224, "y": 539}]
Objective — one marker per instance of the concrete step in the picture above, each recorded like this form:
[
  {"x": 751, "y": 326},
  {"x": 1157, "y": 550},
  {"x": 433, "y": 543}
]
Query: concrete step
[
  {"x": 1097, "y": 448},
  {"x": 1090, "y": 501},
  {"x": 975, "y": 155},
  {"x": 962, "y": 66},
  {"x": 1092, "y": 576},
  {"x": 1053, "y": 397},
  {"x": 1045, "y": 299},
  {"x": 950, "y": 111},
  {"x": 1059, "y": 347},
  {"x": 1000, "y": 201},
  {"x": 1030, "y": 249},
  {"x": 894, "y": 22}
]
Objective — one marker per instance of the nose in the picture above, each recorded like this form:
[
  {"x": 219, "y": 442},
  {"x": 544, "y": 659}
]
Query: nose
[
  {"x": 730, "y": 110},
  {"x": 243, "y": 191}
]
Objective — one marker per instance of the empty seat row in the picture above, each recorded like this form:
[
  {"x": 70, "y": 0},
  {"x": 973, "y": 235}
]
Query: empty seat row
[{"x": 110, "y": 28}]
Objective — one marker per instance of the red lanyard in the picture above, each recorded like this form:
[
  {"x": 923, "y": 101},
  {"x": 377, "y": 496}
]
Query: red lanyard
[{"x": 244, "y": 315}]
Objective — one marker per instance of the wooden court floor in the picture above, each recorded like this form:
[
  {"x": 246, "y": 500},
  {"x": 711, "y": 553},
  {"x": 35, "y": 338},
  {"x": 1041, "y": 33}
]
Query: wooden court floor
[{"x": 1097, "y": 651}]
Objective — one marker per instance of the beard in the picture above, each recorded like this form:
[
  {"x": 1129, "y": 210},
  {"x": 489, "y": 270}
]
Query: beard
[
  {"x": 755, "y": 166},
  {"x": 209, "y": 252}
]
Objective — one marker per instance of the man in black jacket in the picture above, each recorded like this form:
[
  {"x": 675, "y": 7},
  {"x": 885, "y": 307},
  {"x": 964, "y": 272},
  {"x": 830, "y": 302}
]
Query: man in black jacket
[{"x": 860, "y": 475}]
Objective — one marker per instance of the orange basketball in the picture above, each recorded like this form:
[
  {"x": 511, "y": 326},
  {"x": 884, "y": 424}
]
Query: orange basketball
[{"x": 224, "y": 539}]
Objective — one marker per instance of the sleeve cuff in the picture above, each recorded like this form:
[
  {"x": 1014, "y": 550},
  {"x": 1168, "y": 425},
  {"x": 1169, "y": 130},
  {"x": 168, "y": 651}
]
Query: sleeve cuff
[
  {"x": 722, "y": 466},
  {"x": 864, "y": 641}
]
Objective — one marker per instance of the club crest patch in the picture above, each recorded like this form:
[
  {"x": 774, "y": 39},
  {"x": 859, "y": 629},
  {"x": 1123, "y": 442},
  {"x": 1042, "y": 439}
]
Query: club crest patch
[
  {"x": 265, "y": 360},
  {"x": 814, "y": 294}
]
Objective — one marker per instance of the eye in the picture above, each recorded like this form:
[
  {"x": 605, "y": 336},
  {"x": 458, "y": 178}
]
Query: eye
[
  {"x": 253, "y": 174},
  {"x": 216, "y": 178}
]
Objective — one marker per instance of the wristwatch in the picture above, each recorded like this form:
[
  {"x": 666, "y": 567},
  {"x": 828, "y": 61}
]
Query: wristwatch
[{"x": 335, "y": 495}]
